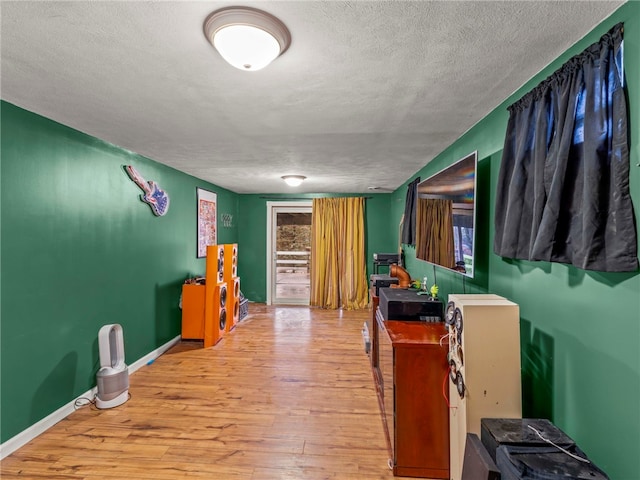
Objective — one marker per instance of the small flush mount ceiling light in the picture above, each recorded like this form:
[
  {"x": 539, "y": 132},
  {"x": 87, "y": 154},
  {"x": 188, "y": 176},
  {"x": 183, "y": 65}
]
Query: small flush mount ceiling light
[
  {"x": 293, "y": 180},
  {"x": 247, "y": 38}
]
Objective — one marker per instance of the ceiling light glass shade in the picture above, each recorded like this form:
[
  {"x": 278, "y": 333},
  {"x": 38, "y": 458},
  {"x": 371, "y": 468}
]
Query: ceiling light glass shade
[
  {"x": 245, "y": 47},
  {"x": 247, "y": 38},
  {"x": 293, "y": 180}
]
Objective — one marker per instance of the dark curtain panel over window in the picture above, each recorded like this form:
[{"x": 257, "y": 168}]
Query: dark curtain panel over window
[
  {"x": 409, "y": 224},
  {"x": 435, "y": 242},
  {"x": 563, "y": 187}
]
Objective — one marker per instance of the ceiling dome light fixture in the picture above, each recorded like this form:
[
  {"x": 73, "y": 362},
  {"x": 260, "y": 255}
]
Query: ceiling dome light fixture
[
  {"x": 293, "y": 180},
  {"x": 247, "y": 38}
]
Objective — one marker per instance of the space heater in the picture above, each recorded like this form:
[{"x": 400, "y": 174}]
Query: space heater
[{"x": 113, "y": 376}]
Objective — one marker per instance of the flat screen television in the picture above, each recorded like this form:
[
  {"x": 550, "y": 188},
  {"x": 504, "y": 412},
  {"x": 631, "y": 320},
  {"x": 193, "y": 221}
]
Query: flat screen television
[{"x": 445, "y": 216}]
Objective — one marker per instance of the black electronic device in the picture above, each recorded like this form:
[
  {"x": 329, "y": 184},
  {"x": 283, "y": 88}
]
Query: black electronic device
[
  {"x": 478, "y": 464},
  {"x": 406, "y": 304},
  {"x": 386, "y": 258},
  {"x": 535, "y": 448},
  {"x": 379, "y": 281},
  {"x": 548, "y": 463},
  {"x": 244, "y": 306},
  {"x": 520, "y": 432}
]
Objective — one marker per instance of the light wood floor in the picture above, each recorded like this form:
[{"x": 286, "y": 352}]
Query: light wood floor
[{"x": 288, "y": 394}]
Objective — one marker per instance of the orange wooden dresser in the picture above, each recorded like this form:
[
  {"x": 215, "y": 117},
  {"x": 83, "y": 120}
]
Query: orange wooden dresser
[{"x": 193, "y": 300}]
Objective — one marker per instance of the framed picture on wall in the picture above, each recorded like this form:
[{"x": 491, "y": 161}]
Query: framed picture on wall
[{"x": 207, "y": 228}]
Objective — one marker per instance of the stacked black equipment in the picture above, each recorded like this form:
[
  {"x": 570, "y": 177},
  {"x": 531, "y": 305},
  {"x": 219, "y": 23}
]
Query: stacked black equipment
[
  {"x": 384, "y": 259},
  {"x": 520, "y": 451}
]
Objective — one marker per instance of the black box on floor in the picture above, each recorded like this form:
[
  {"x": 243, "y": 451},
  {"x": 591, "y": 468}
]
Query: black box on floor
[
  {"x": 546, "y": 463},
  {"x": 520, "y": 432},
  {"x": 244, "y": 308},
  {"x": 379, "y": 280}
]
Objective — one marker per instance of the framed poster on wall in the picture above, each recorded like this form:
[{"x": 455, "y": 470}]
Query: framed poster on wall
[{"x": 207, "y": 228}]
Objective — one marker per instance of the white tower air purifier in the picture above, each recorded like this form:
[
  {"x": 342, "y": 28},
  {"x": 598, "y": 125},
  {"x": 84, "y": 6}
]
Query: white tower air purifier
[{"x": 113, "y": 376}]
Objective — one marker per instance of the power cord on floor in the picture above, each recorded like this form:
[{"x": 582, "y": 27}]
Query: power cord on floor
[{"x": 83, "y": 402}]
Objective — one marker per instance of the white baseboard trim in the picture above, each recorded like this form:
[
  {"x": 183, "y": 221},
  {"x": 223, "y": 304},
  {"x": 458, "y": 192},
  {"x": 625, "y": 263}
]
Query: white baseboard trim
[
  {"x": 153, "y": 355},
  {"x": 24, "y": 437}
]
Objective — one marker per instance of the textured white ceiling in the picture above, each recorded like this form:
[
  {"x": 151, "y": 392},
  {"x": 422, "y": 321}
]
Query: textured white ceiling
[{"x": 367, "y": 94}]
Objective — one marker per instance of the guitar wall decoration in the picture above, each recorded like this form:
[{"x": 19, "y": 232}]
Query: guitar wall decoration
[{"x": 153, "y": 195}]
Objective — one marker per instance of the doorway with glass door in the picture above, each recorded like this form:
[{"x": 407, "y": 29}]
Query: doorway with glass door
[{"x": 289, "y": 253}]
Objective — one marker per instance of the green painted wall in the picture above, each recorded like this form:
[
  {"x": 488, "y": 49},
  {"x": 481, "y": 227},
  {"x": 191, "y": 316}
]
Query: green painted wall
[
  {"x": 580, "y": 330},
  {"x": 80, "y": 250},
  {"x": 252, "y": 227}
]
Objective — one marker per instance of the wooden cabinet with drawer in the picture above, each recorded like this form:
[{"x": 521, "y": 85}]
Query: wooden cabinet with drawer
[{"x": 413, "y": 367}]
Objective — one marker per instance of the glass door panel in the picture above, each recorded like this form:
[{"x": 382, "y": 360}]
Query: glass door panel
[{"x": 291, "y": 257}]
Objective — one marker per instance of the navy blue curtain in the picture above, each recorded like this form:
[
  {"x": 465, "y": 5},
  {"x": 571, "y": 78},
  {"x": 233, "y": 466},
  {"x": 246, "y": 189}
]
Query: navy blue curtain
[
  {"x": 409, "y": 225},
  {"x": 563, "y": 187}
]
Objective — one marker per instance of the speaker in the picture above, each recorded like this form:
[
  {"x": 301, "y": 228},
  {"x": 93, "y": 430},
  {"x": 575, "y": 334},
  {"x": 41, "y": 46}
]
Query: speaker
[
  {"x": 215, "y": 264},
  {"x": 230, "y": 261},
  {"x": 484, "y": 352},
  {"x": 215, "y": 314},
  {"x": 233, "y": 303},
  {"x": 478, "y": 464}
]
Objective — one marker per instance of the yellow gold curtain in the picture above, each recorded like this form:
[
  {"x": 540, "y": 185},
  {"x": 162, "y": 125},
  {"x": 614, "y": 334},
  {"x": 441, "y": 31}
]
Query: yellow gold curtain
[
  {"x": 338, "y": 263},
  {"x": 434, "y": 236}
]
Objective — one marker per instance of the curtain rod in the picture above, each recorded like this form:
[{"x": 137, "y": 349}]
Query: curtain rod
[{"x": 285, "y": 199}]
